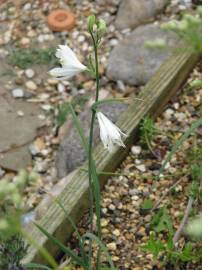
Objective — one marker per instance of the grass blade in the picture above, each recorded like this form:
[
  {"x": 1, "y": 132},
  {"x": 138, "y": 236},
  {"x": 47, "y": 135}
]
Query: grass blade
[
  {"x": 101, "y": 245},
  {"x": 36, "y": 266},
  {"x": 193, "y": 127},
  {"x": 65, "y": 249}
]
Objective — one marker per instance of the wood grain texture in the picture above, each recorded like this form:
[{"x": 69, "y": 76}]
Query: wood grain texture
[{"x": 73, "y": 194}]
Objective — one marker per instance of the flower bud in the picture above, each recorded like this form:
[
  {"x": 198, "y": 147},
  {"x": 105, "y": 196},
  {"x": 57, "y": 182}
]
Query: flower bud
[
  {"x": 199, "y": 11},
  {"x": 90, "y": 23},
  {"x": 101, "y": 28}
]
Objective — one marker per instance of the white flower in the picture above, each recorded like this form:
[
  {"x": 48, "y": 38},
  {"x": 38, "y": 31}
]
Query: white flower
[
  {"x": 110, "y": 134},
  {"x": 70, "y": 64}
]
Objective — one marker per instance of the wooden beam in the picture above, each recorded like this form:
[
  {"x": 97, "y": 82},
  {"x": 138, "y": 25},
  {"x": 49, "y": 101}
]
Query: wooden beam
[{"x": 73, "y": 190}]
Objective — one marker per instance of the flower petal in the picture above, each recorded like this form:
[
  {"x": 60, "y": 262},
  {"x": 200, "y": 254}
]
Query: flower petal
[
  {"x": 68, "y": 58},
  {"x": 110, "y": 134}
]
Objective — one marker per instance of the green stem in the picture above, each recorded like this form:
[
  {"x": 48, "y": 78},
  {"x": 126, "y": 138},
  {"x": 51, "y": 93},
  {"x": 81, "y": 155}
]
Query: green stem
[{"x": 91, "y": 148}]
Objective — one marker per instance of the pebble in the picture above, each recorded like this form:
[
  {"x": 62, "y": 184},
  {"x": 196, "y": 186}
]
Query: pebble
[
  {"x": 116, "y": 232},
  {"x": 24, "y": 41},
  {"x": 61, "y": 88},
  {"x": 168, "y": 113},
  {"x": 18, "y": 93},
  {"x": 52, "y": 81},
  {"x": 41, "y": 166},
  {"x": 136, "y": 149},
  {"x": 133, "y": 192},
  {"x": 104, "y": 222},
  {"x": 37, "y": 146},
  {"x": 180, "y": 116},
  {"x": 111, "y": 246},
  {"x": 27, "y": 6},
  {"x": 20, "y": 113},
  {"x": 29, "y": 73},
  {"x": 31, "y": 85},
  {"x": 141, "y": 167}
]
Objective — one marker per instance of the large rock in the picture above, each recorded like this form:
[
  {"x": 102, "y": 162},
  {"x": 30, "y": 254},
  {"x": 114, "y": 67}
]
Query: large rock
[
  {"x": 131, "y": 62},
  {"x": 71, "y": 153},
  {"x": 132, "y": 13},
  {"x": 17, "y": 132}
]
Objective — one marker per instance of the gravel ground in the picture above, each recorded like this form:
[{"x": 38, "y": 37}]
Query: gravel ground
[
  {"x": 126, "y": 227},
  {"x": 24, "y": 25}
]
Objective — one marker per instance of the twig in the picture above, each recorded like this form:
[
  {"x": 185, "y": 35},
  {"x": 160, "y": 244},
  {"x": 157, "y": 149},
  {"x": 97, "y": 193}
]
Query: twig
[
  {"x": 164, "y": 195},
  {"x": 184, "y": 221}
]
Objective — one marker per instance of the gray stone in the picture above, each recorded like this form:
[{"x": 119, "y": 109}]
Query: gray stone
[
  {"x": 18, "y": 93},
  {"x": 71, "y": 153},
  {"x": 17, "y": 132},
  {"x": 132, "y": 13},
  {"x": 133, "y": 63}
]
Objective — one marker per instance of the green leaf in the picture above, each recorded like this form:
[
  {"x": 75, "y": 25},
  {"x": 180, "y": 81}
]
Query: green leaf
[
  {"x": 162, "y": 222},
  {"x": 63, "y": 248},
  {"x": 147, "y": 204},
  {"x": 101, "y": 245},
  {"x": 154, "y": 246}
]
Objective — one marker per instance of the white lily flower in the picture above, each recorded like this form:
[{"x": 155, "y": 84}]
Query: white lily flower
[
  {"x": 110, "y": 134},
  {"x": 70, "y": 64}
]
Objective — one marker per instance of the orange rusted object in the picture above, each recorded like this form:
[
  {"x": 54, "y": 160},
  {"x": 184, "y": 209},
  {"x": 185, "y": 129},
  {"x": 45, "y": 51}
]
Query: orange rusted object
[{"x": 61, "y": 20}]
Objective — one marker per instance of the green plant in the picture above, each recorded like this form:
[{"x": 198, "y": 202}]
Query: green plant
[
  {"x": 148, "y": 131},
  {"x": 12, "y": 251},
  {"x": 189, "y": 30},
  {"x": 24, "y": 58},
  {"x": 161, "y": 221},
  {"x": 63, "y": 110},
  {"x": 194, "y": 154},
  {"x": 72, "y": 66},
  {"x": 167, "y": 253}
]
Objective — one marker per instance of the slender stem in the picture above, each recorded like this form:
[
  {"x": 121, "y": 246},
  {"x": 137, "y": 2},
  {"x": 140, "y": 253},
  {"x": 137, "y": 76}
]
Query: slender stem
[
  {"x": 90, "y": 152},
  {"x": 184, "y": 221}
]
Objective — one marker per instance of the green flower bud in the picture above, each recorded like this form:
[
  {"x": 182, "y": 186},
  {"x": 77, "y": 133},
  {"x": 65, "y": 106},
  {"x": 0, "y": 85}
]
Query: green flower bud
[
  {"x": 90, "y": 23},
  {"x": 192, "y": 19},
  {"x": 199, "y": 11},
  {"x": 183, "y": 25},
  {"x": 21, "y": 178},
  {"x": 16, "y": 198},
  {"x": 32, "y": 177},
  {"x": 101, "y": 28}
]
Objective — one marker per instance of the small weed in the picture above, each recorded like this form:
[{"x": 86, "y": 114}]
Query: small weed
[
  {"x": 148, "y": 131},
  {"x": 161, "y": 221},
  {"x": 77, "y": 103},
  {"x": 24, "y": 58},
  {"x": 147, "y": 204},
  {"x": 12, "y": 251},
  {"x": 194, "y": 154},
  {"x": 168, "y": 252},
  {"x": 165, "y": 251}
]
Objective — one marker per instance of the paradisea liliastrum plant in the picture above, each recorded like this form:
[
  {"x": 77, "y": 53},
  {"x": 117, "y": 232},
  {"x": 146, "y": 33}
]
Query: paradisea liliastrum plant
[{"x": 110, "y": 135}]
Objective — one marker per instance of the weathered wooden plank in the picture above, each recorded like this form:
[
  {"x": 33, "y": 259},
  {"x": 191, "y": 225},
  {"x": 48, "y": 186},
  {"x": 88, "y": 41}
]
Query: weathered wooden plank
[{"x": 73, "y": 194}]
